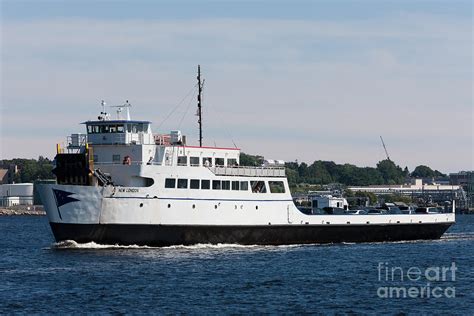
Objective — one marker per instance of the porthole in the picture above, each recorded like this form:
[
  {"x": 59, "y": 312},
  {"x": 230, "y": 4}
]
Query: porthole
[
  {"x": 141, "y": 204},
  {"x": 169, "y": 205},
  {"x": 236, "y": 207},
  {"x": 256, "y": 207},
  {"x": 194, "y": 206},
  {"x": 215, "y": 206}
]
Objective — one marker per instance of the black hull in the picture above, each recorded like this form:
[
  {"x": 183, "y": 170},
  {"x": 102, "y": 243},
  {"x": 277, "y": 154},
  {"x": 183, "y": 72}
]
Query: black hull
[{"x": 167, "y": 235}]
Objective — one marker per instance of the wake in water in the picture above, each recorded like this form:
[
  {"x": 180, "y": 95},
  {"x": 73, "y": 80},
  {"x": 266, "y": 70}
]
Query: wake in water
[
  {"x": 458, "y": 236},
  {"x": 71, "y": 244}
]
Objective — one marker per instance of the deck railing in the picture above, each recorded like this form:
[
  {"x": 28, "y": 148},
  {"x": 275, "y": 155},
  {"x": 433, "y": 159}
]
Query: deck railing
[{"x": 247, "y": 171}]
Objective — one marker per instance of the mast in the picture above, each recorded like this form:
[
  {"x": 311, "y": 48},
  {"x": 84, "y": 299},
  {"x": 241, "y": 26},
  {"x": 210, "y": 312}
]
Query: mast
[{"x": 199, "y": 105}]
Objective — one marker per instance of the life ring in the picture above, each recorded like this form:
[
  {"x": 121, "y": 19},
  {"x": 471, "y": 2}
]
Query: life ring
[{"x": 127, "y": 160}]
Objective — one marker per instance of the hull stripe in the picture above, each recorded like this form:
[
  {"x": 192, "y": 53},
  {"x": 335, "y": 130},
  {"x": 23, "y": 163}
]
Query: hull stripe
[
  {"x": 195, "y": 199},
  {"x": 166, "y": 235}
]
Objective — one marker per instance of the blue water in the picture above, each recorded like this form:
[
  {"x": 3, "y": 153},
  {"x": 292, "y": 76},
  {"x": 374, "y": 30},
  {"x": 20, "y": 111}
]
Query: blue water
[{"x": 39, "y": 276}]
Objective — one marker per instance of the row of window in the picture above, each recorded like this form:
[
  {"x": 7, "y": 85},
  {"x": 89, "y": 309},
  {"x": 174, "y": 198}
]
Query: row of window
[
  {"x": 255, "y": 186},
  {"x": 206, "y": 161},
  {"x": 117, "y": 128}
]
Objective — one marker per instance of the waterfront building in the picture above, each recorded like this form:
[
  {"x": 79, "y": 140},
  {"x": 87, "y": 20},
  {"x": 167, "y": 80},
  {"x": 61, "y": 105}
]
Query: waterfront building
[
  {"x": 433, "y": 192},
  {"x": 16, "y": 194},
  {"x": 465, "y": 179}
]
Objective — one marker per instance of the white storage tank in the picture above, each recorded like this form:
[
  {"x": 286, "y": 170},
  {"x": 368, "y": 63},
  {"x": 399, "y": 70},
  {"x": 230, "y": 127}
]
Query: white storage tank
[{"x": 22, "y": 191}]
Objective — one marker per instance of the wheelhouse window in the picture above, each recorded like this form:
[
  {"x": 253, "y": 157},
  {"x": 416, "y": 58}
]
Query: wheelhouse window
[
  {"x": 216, "y": 184},
  {"x": 244, "y": 186},
  {"x": 219, "y": 161},
  {"x": 231, "y": 162},
  {"x": 182, "y": 183},
  {"x": 258, "y": 186},
  {"x": 277, "y": 187},
  {"x": 182, "y": 160},
  {"x": 225, "y": 185},
  {"x": 194, "y": 161},
  {"x": 104, "y": 129},
  {"x": 205, "y": 184},
  {"x": 170, "y": 183},
  {"x": 194, "y": 184},
  {"x": 120, "y": 128}
]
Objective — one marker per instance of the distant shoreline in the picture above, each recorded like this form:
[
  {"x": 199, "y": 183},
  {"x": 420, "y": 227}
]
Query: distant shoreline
[{"x": 23, "y": 211}]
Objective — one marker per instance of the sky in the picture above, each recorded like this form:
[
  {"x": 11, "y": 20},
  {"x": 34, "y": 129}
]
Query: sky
[{"x": 291, "y": 80}]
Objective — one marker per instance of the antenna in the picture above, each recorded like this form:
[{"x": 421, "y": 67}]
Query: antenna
[
  {"x": 385, "y": 148},
  {"x": 127, "y": 106},
  {"x": 103, "y": 115},
  {"x": 103, "y": 106},
  {"x": 200, "y": 85}
]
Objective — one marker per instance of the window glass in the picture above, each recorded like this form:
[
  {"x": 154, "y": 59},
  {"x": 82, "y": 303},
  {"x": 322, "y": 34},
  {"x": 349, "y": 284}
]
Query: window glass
[
  {"x": 134, "y": 128},
  {"x": 232, "y": 162},
  {"x": 225, "y": 185},
  {"x": 194, "y": 161},
  {"x": 207, "y": 161},
  {"x": 120, "y": 128},
  {"x": 244, "y": 186},
  {"x": 139, "y": 127},
  {"x": 219, "y": 161},
  {"x": 194, "y": 184},
  {"x": 258, "y": 186},
  {"x": 235, "y": 185},
  {"x": 205, "y": 184},
  {"x": 182, "y": 160},
  {"x": 277, "y": 187},
  {"x": 216, "y": 185},
  {"x": 116, "y": 158},
  {"x": 113, "y": 129},
  {"x": 170, "y": 183},
  {"x": 145, "y": 127},
  {"x": 89, "y": 129},
  {"x": 182, "y": 183},
  {"x": 96, "y": 129},
  {"x": 129, "y": 128}
]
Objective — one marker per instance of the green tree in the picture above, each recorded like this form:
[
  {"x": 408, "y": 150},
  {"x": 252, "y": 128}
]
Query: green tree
[
  {"x": 250, "y": 160},
  {"x": 391, "y": 173},
  {"x": 423, "y": 172}
]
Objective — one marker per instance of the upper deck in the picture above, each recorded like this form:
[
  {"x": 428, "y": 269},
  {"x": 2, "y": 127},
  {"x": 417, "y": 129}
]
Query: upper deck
[{"x": 109, "y": 132}]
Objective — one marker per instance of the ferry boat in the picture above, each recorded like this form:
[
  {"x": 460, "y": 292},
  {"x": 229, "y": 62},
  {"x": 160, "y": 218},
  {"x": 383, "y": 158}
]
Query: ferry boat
[{"x": 121, "y": 184}]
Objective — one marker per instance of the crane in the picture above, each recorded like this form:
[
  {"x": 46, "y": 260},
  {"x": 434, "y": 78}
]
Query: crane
[{"x": 385, "y": 148}]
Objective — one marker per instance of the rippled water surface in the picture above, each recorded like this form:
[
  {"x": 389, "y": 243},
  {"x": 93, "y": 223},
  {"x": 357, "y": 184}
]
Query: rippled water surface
[{"x": 39, "y": 276}]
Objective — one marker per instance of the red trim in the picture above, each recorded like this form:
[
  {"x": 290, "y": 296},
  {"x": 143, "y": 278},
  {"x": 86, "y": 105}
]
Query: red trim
[{"x": 210, "y": 147}]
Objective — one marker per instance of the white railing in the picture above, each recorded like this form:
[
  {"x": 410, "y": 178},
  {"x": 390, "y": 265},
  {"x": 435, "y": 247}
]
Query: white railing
[{"x": 248, "y": 171}]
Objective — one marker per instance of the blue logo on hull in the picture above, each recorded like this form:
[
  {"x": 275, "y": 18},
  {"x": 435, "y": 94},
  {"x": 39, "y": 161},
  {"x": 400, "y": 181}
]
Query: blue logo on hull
[{"x": 62, "y": 197}]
